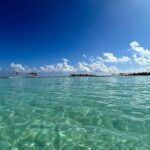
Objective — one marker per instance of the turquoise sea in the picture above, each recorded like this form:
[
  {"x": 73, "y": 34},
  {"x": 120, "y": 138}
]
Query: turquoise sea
[{"x": 64, "y": 113}]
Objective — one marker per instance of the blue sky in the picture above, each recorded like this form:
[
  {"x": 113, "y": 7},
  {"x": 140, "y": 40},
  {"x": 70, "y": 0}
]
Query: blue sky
[{"x": 36, "y": 33}]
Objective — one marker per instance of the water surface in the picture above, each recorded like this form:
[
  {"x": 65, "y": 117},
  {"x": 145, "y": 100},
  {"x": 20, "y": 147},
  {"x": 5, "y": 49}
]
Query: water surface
[{"x": 106, "y": 113}]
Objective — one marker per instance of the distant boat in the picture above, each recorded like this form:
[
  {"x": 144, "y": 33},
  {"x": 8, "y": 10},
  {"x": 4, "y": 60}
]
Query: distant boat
[{"x": 32, "y": 75}]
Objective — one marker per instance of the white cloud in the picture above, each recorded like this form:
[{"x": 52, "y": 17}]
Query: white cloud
[
  {"x": 65, "y": 60},
  {"x": 99, "y": 58},
  {"x": 82, "y": 67},
  {"x": 141, "y": 60},
  {"x": 94, "y": 64},
  {"x": 140, "y": 55},
  {"x": 47, "y": 68},
  {"x": 110, "y": 58},
  {"x": 140, "y": 50},
  {"x": 95, "y": 67},
  {"x": 63, "y": 67},
  {"x": 84, "y": 56},
  {"x": 17, "y": 67},
  {"x": 60, "y": 67},
  {"x": 92, "y": 59},
  {"x": 99, "y": 67}
]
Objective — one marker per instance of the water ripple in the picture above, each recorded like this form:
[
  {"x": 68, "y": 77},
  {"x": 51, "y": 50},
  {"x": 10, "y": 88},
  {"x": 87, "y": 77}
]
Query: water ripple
[{"x": 107, "y": 113}]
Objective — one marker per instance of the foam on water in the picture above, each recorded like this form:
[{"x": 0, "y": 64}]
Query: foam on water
[{"x": 106, "y": 113}]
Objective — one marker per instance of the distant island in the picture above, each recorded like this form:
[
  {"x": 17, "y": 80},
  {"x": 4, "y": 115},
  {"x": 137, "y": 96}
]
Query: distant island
[
  {"x": 19, "y": 75},
  {"x": 38, "y": 75},
  {"x": 136, "y": 74},
  {"x": 83, "y": 75}
]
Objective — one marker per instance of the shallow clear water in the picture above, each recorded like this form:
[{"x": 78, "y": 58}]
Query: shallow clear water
[{"x": 106, "y": 113}]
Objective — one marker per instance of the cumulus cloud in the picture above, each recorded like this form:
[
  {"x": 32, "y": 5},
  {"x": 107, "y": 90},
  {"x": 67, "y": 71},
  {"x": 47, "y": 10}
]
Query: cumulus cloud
[
  {"x": 140, "y": 50},
  {"x": 64, "y": 67},
  {"x": 17, "y": 67},
  {"x": 140, "y": 55},
  {"x": 96, "y": 67},
  {"x": 59, "y": 67},
  {"x": 93, "y": 64},
  {"x": 110, "y": 58},
  {"x": 82, "y": 67},
  {"x": 47, "y": 68},
  {"x": 99, "y": 67}
]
